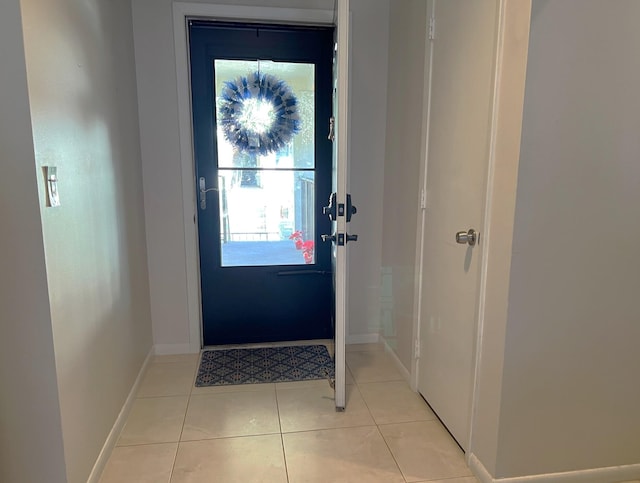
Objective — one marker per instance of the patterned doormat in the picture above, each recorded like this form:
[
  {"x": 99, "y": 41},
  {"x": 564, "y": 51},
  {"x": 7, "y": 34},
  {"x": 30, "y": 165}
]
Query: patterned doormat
[{"x": 266, "y": 364}]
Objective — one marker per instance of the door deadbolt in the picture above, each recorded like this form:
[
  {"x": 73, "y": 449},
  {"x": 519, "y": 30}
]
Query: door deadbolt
[{"x": 467, "y": 237}]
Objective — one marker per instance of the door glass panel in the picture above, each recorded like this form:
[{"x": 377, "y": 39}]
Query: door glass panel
[
  {"x": 266, "y": 217},
  {"x": 300, "y": 78},
  {"x": 267, "y": 199}
]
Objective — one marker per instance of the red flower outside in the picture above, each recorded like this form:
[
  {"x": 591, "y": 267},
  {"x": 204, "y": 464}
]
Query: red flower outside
[{"x": 306, "y": 246}]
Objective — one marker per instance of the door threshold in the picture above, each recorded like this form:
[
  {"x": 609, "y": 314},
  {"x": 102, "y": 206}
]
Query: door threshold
[{"x": 326, "y": 342}]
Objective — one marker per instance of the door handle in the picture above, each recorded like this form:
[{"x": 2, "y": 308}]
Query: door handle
[
  {"x": 470, "y": 237},
  {"x": 202, "y": 182},
  {"x": 340, "y": 238},
  {"x": 334, "y": 209}
]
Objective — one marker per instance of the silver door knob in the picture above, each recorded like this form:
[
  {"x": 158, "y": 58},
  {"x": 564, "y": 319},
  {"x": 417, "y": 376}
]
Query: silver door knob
[{"x": 470, "y": 237}]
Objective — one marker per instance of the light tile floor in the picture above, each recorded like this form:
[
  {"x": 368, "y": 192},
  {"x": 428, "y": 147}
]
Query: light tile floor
[{"x": 285, "y": 432}]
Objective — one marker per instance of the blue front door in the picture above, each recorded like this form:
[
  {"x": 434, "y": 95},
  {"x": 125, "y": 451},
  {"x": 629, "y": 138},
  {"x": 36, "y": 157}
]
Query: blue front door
[{"x": 261, "y": 101}]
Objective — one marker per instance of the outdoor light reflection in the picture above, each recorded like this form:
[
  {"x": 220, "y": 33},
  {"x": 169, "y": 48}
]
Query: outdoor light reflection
[{"x": 257, "y": 115}]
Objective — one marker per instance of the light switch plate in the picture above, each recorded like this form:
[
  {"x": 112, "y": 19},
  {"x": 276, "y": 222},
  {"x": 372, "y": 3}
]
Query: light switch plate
[{"x": 51, "y": 175}]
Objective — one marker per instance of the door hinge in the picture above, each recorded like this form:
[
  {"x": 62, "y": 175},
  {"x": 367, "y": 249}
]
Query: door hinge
[
  {"x": 423, "y": 199},
  {"x": 416, "y": 349},
  {"x": 432, "y": 28}
]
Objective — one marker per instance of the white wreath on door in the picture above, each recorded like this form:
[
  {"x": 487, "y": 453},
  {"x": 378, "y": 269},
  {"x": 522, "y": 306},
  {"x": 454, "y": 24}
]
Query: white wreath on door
[{"x": 258, "y": 113}]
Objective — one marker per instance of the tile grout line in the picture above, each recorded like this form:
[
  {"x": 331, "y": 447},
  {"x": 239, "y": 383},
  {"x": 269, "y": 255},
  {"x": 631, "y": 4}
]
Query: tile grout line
[
  {"x": 378, "y": 425},
  {"x": 175, "y": 456},
  {"x": 284, "y": 454},
  {"x": 391, "y": 452},
  {"x": 193, "y": 382},
  {"x": 380, "y": 433},
  {"x": 220, "y": 438},
  {"x": 335, "y": 428}
]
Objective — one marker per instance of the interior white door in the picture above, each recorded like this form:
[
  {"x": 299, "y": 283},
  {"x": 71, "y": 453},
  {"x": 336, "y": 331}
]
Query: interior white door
[
  {"x": 463, "y": 52},
  {"x": 340, "y": 172}
]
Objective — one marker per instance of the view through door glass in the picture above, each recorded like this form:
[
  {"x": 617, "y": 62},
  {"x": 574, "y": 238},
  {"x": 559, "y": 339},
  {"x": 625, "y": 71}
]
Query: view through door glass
[
  {"x": 267, "y": 214},
  {"x": 261, "y": 101}
]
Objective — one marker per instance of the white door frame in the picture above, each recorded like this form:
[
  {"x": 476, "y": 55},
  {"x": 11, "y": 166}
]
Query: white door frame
[
  {"x": 182, "y": 11},
  {"x": 421, "y": 219}
]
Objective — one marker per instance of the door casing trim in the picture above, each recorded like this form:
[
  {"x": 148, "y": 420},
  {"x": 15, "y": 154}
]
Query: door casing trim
[{"x": 181, "y": 12}]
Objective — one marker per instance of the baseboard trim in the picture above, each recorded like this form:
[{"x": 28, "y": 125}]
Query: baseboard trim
[
  {"x": 399, "y": 365},
  {"x": 363, "y": 338},
  {"x": 478, "y": 469},
  {"x": 112, "y": 438},
  {"x": 595, "y": 475},
  {"x": 172, "y": 349}
]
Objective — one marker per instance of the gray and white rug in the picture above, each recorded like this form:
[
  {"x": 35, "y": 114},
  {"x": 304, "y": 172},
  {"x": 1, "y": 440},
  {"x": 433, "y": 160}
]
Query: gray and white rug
[{"x": 266, "y": 364}]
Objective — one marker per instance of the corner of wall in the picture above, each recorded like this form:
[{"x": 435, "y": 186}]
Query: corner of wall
[
  {"x": 478, "y": 469},
  {"x": 171, "y": 349},
  {"x": 370, "y": 338},
  {"x": 402, "y": 369},
  {"x": 510, "y": 73},
  {"x": 112, "y": 438}
]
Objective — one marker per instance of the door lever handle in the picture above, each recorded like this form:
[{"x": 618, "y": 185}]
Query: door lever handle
[
  {"x": 340, "y": 238},
  {"x": 202, "y": 182}
]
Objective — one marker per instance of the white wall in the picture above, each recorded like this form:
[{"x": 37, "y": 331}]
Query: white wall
[
  {"x": 403, "y": 158},
  {"x": 158, "y": 106},
  {"x": 31, "y": 448},
  {"x": 82, "y": 91},
  {"x": 570, "y": 392},
  {"x": 159, "y": 140},
  {"x": 368, "y": 104}
]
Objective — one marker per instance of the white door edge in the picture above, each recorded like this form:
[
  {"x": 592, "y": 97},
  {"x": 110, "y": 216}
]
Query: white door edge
[{"x": 342, "y": 136}]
